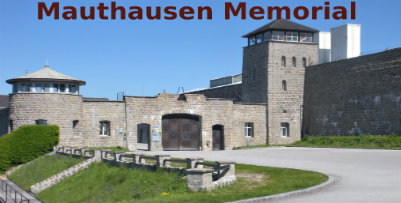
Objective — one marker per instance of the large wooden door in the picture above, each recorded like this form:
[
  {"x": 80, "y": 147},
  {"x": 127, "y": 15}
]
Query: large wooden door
[
  {"x": 218, "y": 137},
  {"x": 181, "y": 132}
]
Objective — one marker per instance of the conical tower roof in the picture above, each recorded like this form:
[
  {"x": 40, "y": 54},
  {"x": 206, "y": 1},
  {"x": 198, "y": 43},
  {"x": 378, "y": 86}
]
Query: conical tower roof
[{"x": 45, "y": 75}]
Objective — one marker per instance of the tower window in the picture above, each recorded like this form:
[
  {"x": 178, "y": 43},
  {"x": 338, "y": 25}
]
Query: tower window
[
  {"x": 41, "y": 122},
  {"x": 283, "y": 62},
  {"x": 104, "y": 128},
  {"x": 55, "y": 87},
  {"x": 277, "y": 35},
  {"x": 292, "y": 36},
  {"x": 284, "y": 85},
  {"x": 11, "y": 125},
  {"x": 267, "y": 36},
  {"x": 259, "y": 38},
  {"x": 252, "y": 41},
  {"x": 294, "y": 62},
  {"x": 285, "y": 130},
  {"x": 248, "y": 129},
  {"x": 304, "y": 62},
  {"x": 305, "y": 37},
  {"x": 62, "y": 87}
]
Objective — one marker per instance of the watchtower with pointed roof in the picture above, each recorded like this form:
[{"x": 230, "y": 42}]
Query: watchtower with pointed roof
[
  {"x": 46, "y": 80},
  {"x": 273, "y": 72}
]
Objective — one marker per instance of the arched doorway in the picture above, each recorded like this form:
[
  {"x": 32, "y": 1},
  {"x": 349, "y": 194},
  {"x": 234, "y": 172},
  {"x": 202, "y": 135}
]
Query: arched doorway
[
  {"x": 181, "y": 132},
  {"x": 143, "y": 133},
  {"x": 218, "y": 137}
]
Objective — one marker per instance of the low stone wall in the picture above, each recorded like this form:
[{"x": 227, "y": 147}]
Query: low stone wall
[
  {"x": 38, "y": 187},
  {"x": 198, "y": 178}
]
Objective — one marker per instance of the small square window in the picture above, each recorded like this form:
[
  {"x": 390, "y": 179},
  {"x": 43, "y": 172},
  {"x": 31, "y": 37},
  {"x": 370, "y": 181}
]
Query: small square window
[
  {"x": 285, "y": 129},
  {"x": 248, "y": 129}
]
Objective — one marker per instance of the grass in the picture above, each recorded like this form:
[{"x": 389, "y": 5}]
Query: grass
[
  {"x": 251, "y": 147},
  {"x": 354, "y": 141},
  {"x": 42, "y": 169},
  {"x": 105, "y": 183},
  {"x": 113, "y": 149}
]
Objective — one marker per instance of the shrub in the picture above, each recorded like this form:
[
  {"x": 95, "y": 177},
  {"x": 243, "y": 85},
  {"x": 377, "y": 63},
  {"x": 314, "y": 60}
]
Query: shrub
[{"x": 27, "y": 143}]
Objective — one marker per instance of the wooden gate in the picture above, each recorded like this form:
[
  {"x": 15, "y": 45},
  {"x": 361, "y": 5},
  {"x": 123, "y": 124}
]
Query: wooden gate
[
  {"x": 181, "y": 132},
  {"x": 218, "y": 137}
]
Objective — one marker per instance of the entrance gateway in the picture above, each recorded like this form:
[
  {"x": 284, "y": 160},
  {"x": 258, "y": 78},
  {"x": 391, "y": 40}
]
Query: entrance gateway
[{"x": 181, "y": 132}]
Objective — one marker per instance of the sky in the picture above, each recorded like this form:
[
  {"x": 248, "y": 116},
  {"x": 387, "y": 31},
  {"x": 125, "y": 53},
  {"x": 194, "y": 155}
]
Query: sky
[{"x": 145, "y": 57}]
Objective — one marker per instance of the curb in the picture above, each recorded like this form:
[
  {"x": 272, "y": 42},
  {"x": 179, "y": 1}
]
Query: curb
[{"x": 331, "y": 181}]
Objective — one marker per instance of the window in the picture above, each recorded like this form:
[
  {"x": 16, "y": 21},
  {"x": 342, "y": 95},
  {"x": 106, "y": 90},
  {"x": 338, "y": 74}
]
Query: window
[
  {"x": 62, "y": 87},
  {"x": 29, "y": 87},
  {"x": 283, "y": 62},
  {"x": 294, "y": 62},
  {"x": 284, "y": 85},
  {"x": 259, "y": 38},
  {"x": 267, "y": 36},
  {"x": 104, "y": 128},
  {"x": 285, "y": 130},
  {"x": 277, "y": 35},
  {"x": 305, "y": 37},
  {"x": 74, "y": 123},
  {"x": 41, "y": 122},
  {"x": 292, "y": 36},
  {"x": 248, "y": 129},
  {"x": 73, "y": 89},
  {"x": 55, "y": 87},
  {"x": 15, "y": 88},
  {"x": 304, "y": 62},
  {"x": 46, "y": 87},
  {"x": 252, "y": 41}
]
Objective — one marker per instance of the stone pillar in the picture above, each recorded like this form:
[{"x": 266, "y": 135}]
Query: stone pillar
[
  {"x": 192, "y": 161},
  {"x": 160, "y": 160},
  {"x": 105, "y": 153},
  {"x": 117, "y": 155},
  {"x": 97, "y": 154},
  {"x": 199, "y": 179},
  {"x": 138, "y": 160}
]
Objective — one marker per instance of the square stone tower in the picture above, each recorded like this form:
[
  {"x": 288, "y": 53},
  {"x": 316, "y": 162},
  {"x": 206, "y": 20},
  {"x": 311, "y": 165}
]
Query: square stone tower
[{"x": 273, "y": 72}]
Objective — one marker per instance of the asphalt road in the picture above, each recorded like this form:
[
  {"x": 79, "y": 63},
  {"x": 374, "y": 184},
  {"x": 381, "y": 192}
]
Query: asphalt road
[{"x": 364, "y": 175}]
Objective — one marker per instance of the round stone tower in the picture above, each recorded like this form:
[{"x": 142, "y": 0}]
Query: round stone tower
[{"x": 46, "y": 97}]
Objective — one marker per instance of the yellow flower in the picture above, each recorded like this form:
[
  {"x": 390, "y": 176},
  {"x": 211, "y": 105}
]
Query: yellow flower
[{"x": 165, "y": 193}]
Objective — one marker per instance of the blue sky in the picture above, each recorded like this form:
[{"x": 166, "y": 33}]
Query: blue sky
[{"x": 145, "y": 57}]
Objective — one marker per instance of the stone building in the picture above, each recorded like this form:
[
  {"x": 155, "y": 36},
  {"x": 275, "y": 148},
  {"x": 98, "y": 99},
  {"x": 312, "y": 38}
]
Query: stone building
[{"x": 281, "y": 94}]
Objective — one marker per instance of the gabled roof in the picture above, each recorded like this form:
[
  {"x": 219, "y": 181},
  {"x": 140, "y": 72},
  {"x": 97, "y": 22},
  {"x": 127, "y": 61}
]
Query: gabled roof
[
  {"x": 45, "y": 74},
  {"x": 281, "y": 24}
]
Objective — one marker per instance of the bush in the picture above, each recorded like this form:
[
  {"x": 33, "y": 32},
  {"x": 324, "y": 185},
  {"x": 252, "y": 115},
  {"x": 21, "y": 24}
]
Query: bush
[{"x": 27, "y": 143}]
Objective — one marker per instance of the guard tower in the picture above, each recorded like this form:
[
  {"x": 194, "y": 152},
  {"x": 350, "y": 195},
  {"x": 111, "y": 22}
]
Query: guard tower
[
  {"x": 273, "y": 72},
  {"x": 47, "y": 97}
]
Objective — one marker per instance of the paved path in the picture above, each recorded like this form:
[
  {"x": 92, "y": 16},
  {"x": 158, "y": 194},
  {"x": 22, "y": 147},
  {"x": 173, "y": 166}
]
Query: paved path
[{"x": 365, "y": 175}]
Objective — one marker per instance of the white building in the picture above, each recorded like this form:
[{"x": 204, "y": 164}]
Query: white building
[
  {"x": 324, "y": 40},
  {"x": 345, "y": 42}
]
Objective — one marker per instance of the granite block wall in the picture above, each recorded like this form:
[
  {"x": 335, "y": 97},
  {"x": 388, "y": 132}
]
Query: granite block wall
[{"x": 354, "y": 96}]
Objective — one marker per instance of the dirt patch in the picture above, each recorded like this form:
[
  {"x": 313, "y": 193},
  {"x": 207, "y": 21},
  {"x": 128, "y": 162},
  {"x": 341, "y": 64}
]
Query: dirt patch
[{"x": 253, "y": 180}]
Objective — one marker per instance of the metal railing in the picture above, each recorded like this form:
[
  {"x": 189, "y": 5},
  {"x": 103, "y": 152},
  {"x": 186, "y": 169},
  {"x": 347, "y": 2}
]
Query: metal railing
[{"x": 9, "y": 194}]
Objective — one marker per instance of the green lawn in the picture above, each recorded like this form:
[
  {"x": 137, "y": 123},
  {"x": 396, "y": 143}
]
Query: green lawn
[
  {"x": 41, "y": 169},
  {"x": 354, "y": 141},
  {"x": 105, "y": 183}
]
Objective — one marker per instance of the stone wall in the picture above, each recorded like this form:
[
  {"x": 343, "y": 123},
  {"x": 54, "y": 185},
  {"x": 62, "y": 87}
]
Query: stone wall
[
  {"x": 354, "y": 96},
  {"x": 57, "y": 109},
  {"x": 92, "y": 114},
  {"x": 233, "y": 91},
  {"x": 285, "y": 106},
  {"x": 4, "y": 113},
  {"x": 212, "y": 112}
]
